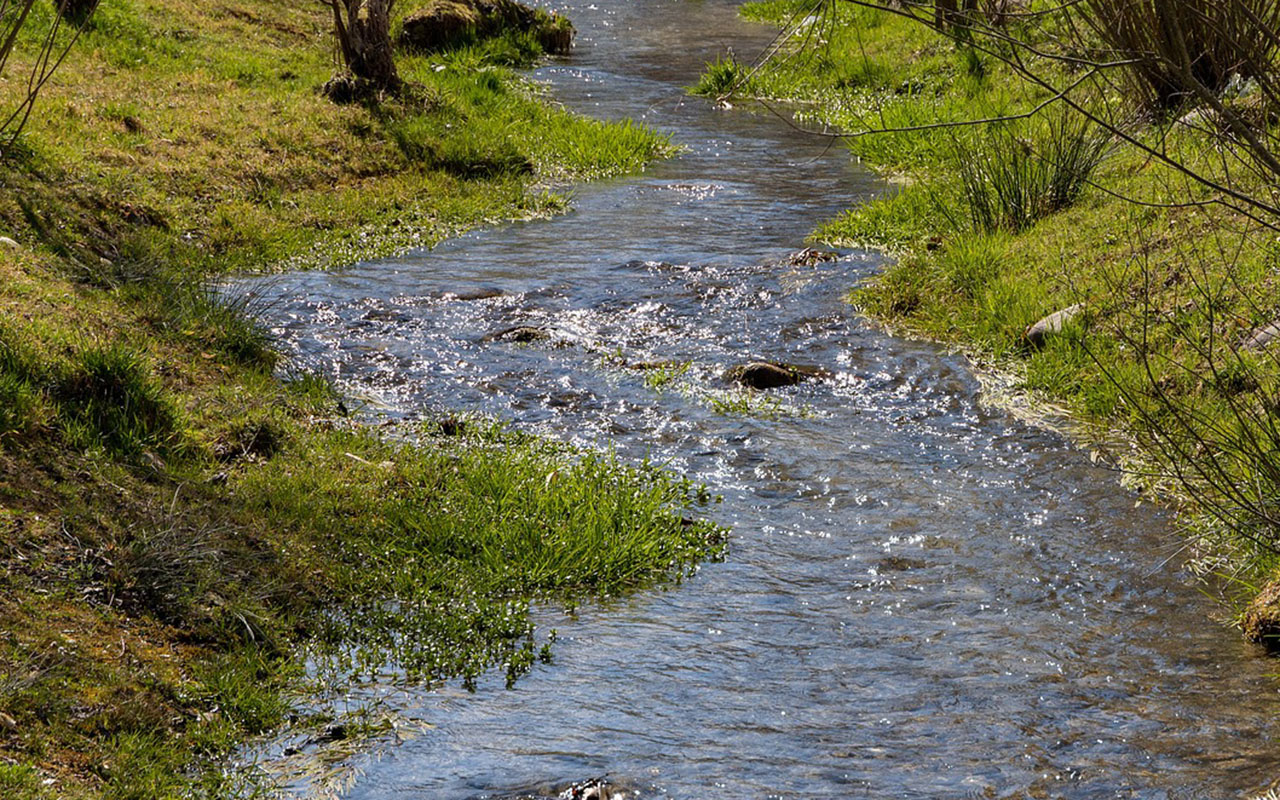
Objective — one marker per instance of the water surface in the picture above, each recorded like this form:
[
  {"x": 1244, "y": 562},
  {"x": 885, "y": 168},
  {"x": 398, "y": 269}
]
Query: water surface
[{"x": 924, "y": 599}]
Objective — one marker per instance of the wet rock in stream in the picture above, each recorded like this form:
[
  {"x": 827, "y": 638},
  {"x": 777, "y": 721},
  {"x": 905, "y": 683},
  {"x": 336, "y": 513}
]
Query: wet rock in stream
[
  {"x": 900, "y": 564},
  {"x": 591, "y": 789},
  {"x": 483, "y": 293},
  {"x": 811, "y": 257},
  {"x": 1261, "y": 620},
  {"x": 520, "y": 334},
  {"x": 770, "y": 375},
  {"x": 595, "y": 789}
]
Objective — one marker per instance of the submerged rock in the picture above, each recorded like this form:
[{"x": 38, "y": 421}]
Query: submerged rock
[
  {"x": 768, "y": 375},
  {"x": 521, "y": 334},
  {"x": 484, "y": 293},
  {"x": 1261, "y": 338},
  {"x": 596, "y": 789},
  {"x": 900, "y": 564},
  {"x": 450, "y": 23},
  {"x": 1039, "y": 333},
  {"x": 1261, "y": 620},
  {"x": 335, "y": 732}
]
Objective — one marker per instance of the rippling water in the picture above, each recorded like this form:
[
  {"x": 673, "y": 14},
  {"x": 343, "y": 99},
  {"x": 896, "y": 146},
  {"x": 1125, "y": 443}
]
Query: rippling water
[{"x": 925, "y": 598}]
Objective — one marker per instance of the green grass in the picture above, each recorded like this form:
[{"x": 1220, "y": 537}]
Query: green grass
[
  {"x": 437, "y": 584},
  {"x": 666, "y": 375},
  {"x": 216, "y": 149},
  {"x": 995, "y": 226},
  {"x": 110, "y": 396}
]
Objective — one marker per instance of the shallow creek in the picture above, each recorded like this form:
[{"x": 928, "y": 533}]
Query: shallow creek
[{"x": 924, "y": 599}]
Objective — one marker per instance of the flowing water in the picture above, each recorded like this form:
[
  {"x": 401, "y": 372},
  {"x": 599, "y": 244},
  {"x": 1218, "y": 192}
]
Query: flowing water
[{"x": 924, "y": 597}]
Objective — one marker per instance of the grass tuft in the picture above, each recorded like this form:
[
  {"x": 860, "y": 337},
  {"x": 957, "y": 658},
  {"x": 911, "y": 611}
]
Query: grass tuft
[
  {"x": 720, "y": 78},
  {"x": 109, "y": 396},
  {"x": 1011, "y": 181}
]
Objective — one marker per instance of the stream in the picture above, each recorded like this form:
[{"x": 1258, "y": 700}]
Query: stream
[{"x": 924, "y": 597}]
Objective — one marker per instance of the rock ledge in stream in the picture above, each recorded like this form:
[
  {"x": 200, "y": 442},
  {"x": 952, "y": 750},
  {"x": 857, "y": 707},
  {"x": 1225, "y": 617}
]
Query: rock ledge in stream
[
  {"x": 521, "y": 334},
  {"x": 768, "y": 375},
  {"x": 1261, "y": 620},
  {"x": 452, "y": 23},
  {"x": 811, "y": 257}
]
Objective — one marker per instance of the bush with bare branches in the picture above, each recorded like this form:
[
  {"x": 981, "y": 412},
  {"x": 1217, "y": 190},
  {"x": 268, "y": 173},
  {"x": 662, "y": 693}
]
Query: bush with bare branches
[
  {"x": 1180, "y": 350},
  {"x": 363, "y": 30},
  {"x": 1179, "y": 51}
]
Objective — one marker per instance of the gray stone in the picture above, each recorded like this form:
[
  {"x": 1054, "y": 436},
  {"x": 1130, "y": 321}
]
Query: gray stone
[
  {"x": 1037, "y": 334},
  {"x": 522, "y": 334},
  {"x": 1262, "y": 337},
  {"x": 484, "y": 293},
  {"x": 11, "y": 244},
  {"x": 1202, "y": 118}
]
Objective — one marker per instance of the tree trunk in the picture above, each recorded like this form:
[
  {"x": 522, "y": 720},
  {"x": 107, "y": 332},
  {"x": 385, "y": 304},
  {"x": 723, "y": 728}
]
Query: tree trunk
[
  {"x": 363, "y": 28},
  {"x": 947, "y": 13}
]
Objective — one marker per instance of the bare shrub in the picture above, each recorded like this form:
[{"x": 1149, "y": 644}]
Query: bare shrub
[
  {"x": 363, "y": 29},
  {"x": 1177, "y": 50}
]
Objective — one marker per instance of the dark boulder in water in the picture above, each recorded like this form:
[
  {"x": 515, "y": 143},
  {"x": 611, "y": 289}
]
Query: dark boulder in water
[
  {"x": 483, "y": 293},
  {"x": 768, "y": 375},
  {"x": 1261, "y": 620}
]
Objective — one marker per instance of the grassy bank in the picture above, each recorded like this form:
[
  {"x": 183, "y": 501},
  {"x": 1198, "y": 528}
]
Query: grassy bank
[
  {"x": 179, "y": 524},
  {"x": 995, "y": 226}
]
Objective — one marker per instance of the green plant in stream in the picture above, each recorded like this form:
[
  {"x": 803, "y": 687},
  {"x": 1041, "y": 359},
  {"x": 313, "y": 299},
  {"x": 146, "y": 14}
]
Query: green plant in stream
[
  {"x": 665, "y": 375},
  {"x": 720, "y": 77}
]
